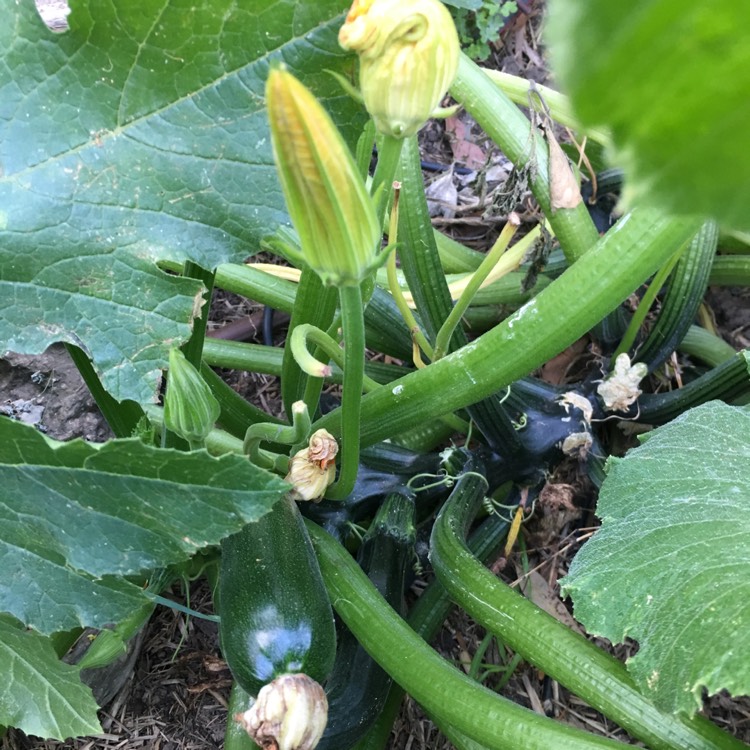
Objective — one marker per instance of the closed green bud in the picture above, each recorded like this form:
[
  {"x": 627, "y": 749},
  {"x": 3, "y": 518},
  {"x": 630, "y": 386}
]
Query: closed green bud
[
  {"x": 408, "y": 56},
  {"x": 190, "y": 409},
  {"x": 326, "y": 197}
]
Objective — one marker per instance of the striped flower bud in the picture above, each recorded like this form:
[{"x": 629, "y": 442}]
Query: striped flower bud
[
  {"x": 190, "y": 409},
  {"x": 327, "y": 199},
  {"x": 408, "y": 56}
]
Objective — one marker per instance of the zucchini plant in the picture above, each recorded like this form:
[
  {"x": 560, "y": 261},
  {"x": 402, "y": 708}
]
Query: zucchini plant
[{"x": 149, "y": 151}]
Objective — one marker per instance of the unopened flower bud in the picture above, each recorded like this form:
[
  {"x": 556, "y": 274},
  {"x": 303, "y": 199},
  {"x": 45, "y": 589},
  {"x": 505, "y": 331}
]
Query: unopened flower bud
[
  {"x": 327, "y": 199},
  {"x": 190, "y": 409},
  {"x": 408, "y": 55},
  {"x": 313, "y": 469},
  {"x": 290, "y": 714}
]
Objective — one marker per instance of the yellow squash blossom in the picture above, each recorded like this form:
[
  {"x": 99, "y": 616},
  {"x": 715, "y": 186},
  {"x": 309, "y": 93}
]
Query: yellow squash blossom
[
  {"x": 408, "y": 55},
  {"x": 327, "y": 199}
]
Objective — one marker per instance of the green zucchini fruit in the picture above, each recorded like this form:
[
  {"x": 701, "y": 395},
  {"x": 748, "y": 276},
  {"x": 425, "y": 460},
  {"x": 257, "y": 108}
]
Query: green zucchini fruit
[
  {"x": 358, "y": 686},
  {"x": 275, "y": 614}
]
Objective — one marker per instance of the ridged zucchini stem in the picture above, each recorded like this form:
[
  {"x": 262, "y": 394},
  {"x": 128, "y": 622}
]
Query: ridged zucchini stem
[
  {"x": 420, "y": 262},
  {"x": 455, "y": 257},
  {"x": 511, "y": 261},
  {"x": 517, "y": 89},
  {"x": 624, "y": 257},
  {"x": 509, "y": 128},
  {"x": 685, "y": 291},
  {"x": 418, "y": 252},
  {"x": 727, "y": 382},
  {"x": 444, "y": 691},
  {"x": 419, "y": 339},
  {"x": 240, "y": 355},
  {"x": 253, "y": 284},
  {"x": 426, "y": 618},
  {"x": 592, "y": 674},
  {"x": 706, "y": 346},
  {"x": 644, "y": 306},
  {"x": 730, "y": 270},
  {"x": 389, "y": 152}
]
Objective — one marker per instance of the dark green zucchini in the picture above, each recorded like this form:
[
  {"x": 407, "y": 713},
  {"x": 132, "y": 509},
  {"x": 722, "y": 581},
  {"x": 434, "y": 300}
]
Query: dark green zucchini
[
  {"x": 358, "y": 687},
  {"x": 384, "y": 468},
  {"x": 275, "y": 614}
]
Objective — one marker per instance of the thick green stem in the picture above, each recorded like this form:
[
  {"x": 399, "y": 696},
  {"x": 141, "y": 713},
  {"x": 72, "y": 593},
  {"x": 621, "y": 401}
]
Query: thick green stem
[
  {"x": 257, "y": 285},
  {"x": 421, "y": 265},
  {"x": 353, "y": 325},
  {"x": 622, "y": 260},
  {"x": 418, "y": 337},
  {"x": 685, "y": 291},
  {"x": 455, "y": 257},
  {"x": 239, "y": 355},
  {"x": 592, "y": 674},
  {"x": 519, "y": 89},
  {"x": 509, "y": 128},
  {"x": 706, "y": 346},
  {"x": 730, "y": 270},
  {"x": 426, "y": 619},
  {"x": 727, "y": 382},
  {"x": 404, "y": 309},
  {"x": 389, "y": 152},
  {"x": 298, "y": 345},
  {"x": 432, "y": 681},
  {"x": 420, "y": 261}
]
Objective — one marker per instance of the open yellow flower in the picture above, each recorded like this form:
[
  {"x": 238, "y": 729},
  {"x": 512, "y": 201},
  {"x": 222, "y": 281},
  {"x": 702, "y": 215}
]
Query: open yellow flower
[
  {"x": 408, "y": 55},
  {"x": 327, "y": 199}
]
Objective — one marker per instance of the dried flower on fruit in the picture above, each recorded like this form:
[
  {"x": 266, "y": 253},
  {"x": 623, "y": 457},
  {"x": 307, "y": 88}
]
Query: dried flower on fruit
[
  {"x": 290, "y": 713},
  {"x": 313, "y": 469},
  {"x": 621, "y": 388}
]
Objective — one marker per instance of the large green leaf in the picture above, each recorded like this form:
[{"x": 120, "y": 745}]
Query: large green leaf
[
  {"x": 75, "y": 518},
  {"x": 38, "y": 693},
  {"x": 672, "y": 80},
  {"x": 123, "y": 312},
  {"x": 140, "y": 134},
  {"x": 670, "y": 565}
]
